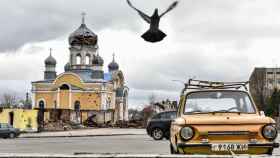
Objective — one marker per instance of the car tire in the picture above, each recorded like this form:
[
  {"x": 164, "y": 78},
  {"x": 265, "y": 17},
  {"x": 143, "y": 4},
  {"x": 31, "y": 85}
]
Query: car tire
[
  {"x": 157, "y": 134},
  {"x": 270, "y": 151},
  {"x": 12, "y": 135}
]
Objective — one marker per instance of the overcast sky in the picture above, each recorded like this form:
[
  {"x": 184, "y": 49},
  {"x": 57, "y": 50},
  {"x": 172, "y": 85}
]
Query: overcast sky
[{"x": 209, "y": 39}]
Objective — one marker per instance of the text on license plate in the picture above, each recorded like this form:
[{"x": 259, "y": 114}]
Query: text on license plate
[{"x": 229, "y": 147}]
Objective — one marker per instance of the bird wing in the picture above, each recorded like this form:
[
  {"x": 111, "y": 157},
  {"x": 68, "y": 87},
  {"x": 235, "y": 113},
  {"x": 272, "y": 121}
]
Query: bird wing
[
  {"x": 172, "y": 6},
  {"x": 143, "y": 15}
]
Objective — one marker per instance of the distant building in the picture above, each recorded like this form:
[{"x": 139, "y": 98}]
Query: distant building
[
  {"x": 262, "y": 83},
  {"x": 162, "y": 106},
  {"x": 165, "y": 105},
  {"x": 84, "y": 90}
]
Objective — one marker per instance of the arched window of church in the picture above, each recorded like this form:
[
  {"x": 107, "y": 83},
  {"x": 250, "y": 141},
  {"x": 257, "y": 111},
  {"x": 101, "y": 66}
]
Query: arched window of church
[
  {"x": 64, "y": 87},
  {"x": 88, "y": 59},
  {"x": 78, "y": 59},
  {"x": 41, "y": 104}
]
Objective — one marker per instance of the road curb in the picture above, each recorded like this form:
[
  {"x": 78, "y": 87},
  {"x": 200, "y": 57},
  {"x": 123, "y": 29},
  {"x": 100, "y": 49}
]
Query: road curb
[
  {"x": 128, "y": 156},
  {"x": 88, "y": 135}
]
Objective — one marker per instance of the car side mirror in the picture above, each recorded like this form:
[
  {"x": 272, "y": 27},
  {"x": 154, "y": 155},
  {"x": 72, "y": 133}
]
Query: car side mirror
[{"x": 262, "y": 113}]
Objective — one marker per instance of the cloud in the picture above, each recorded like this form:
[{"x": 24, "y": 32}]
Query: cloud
[
  {"x": 210, "y": 39},
  {"x": 158, "y": 77},
  {"x": 234, "y": 21},
  {"x": 27, "y": 21}
]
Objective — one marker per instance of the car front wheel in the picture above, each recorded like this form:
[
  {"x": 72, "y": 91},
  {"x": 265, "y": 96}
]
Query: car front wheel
[
  {"x": 12, "y": 135},
  {"x": 270, "y": 151},
  {"x": 157, "y": 134}
]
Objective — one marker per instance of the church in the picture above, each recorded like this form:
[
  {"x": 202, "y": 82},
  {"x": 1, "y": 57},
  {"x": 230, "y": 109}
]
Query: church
[{"x": 84, "y": 91}]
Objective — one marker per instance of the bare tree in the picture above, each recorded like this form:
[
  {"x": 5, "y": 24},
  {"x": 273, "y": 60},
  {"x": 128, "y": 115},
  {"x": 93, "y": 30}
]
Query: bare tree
[
  {"x": 8, "y": 100},
  {"x": 152, "y": 99}
]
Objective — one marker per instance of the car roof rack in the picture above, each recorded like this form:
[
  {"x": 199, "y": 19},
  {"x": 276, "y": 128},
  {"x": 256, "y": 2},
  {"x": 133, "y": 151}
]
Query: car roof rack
[{"x": 206, "y": 85}]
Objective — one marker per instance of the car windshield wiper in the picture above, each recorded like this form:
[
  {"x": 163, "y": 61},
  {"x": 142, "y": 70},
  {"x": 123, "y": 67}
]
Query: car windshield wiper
[
  {"x": 197, "y": 111},
  {"x": 217, "y": 111}
]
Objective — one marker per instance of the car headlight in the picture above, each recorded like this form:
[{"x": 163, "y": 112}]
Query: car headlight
[
  {"x": 187, "y": 133},
  {"x": 269, "y": 132}
]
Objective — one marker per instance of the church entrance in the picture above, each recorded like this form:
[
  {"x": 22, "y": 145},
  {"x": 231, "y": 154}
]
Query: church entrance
[
  {"x": 41, "y": 115},
  {"x": 77, "y": 108},
  {"x": 11, "y": 118}
]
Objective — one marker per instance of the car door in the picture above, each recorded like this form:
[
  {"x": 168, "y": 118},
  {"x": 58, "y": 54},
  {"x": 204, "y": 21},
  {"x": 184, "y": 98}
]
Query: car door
[
  {"x": 156, "y": 120},
  {"x": 165, "y": 121},
  {"x": 169, "y": 117},
  {"x": 3, "y": 130}
]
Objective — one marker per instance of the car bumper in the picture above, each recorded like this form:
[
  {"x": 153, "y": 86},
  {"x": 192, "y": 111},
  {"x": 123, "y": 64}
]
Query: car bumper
[
  {"x": 199, "y": 148},
  {"x": 266, "y": 145}
]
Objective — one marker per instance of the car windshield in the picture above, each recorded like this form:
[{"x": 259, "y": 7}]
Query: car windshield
[{"x": 218, "y": 101}]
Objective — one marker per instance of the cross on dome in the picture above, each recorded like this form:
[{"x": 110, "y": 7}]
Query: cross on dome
[
  {"x": 50, "y": 59},
  {"x": 83, "y": 17},
  {"x": 113, "y": 65}
]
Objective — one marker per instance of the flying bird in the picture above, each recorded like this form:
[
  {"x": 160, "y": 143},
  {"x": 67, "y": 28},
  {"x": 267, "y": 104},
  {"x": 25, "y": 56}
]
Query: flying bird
[{"x": 154, "y": 34}]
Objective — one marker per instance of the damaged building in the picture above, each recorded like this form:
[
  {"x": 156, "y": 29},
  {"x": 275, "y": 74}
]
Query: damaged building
[{"x": 84, "y": 90}]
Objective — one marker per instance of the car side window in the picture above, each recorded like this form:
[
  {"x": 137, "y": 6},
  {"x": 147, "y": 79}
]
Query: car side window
[
  {"x": 4, "y": 126},
  {"x": 158, "y": 116},
  {"x": 171, "y": 115},
  {"x": 164, "y": 115}
]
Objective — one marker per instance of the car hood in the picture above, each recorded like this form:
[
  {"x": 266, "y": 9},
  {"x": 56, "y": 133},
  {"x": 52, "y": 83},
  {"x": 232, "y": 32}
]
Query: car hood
[{"x": 221, "y": 119}]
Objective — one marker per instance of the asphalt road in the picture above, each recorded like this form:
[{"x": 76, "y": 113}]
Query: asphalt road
[{"x": 126, "y": 144}]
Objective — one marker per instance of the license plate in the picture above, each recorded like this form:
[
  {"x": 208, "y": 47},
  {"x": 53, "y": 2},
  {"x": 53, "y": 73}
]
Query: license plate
[{"x": 229, "y": 147}]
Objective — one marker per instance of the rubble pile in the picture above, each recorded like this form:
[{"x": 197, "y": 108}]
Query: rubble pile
[{"x": 61, "y": 126}]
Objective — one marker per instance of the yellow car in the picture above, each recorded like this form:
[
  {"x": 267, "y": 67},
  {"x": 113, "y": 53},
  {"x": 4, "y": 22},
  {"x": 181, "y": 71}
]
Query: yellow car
[{"x": 220, "y": 118}]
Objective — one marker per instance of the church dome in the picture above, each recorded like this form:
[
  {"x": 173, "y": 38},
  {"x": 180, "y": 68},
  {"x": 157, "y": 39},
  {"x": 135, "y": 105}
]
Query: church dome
[
  {"x": 67, "y": 67},
  {"x": 113, "y": 65},
  {"x": 83, "y": 36},
  {"x": 98, "y": 60},
  {"x": 50, "y": 60}
]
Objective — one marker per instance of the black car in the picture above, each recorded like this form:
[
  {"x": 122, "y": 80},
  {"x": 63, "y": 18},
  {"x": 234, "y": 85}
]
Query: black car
[
  {"x": 7, "y": 131},
  {"x": 159, "y": 125}
]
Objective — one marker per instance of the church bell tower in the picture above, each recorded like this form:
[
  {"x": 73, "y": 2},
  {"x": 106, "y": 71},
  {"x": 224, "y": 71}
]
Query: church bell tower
[
  {"x": 50, "y": 64},
  {"x": 83, "y": 47}
]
